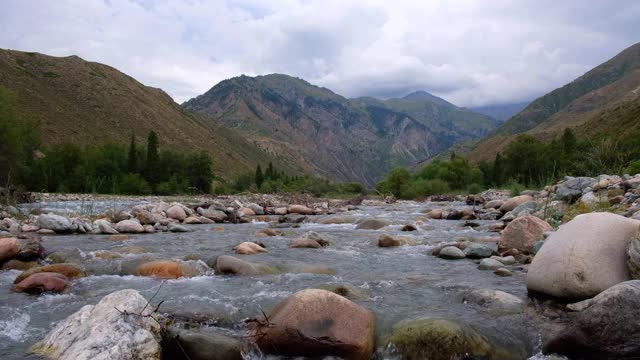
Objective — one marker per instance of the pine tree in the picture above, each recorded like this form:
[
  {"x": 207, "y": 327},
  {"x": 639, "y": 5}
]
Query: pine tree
[
  {"x": 259, "y": 176},
  {"x": 152, "y": 157},
  {"x": 268, "y": 174},
  {"x": 132, "y": 160}
]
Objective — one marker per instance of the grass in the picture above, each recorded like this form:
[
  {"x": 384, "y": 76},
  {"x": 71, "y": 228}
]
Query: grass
[
  {"x": 51, "y": 74},
  {"x": 580, "y": 208}
]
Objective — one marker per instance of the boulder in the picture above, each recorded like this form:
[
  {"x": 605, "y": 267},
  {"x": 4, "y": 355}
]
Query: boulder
[
  {"x": 244, "y": 212},
  {"x": 451, "y": 253},
  {"x": 435, "y": 214},
  {"x": 57, "y": 223},
  {"x": 572, "y": 188},
  {"x": 191, "y": 220},
  {"x": 317, "y": 323},
  {"x": 161, "y": 269},
  {"x": 249, "y": 248},
  {"x": 269, "y": 232},
  {"x": 478, "y": 251},
  {"x": 371, "y": 224},
  {"x": 177, "y": 228},
  {"x": 213, "y": 214},
  {"x": 147, "y": 217},
  {"x": 105, "y": 331},
  {"x": 229, "y": 265},
  {"x": 129, "y": 226},
  {"x": 490, "y": 264},
  {"x": 104, "y": 226},
  {"x": 386, "y": 240},
  {"x": 506, "y": 260},
  {"x": 280, "y": 211},
  {"x": 606, "y": 328},
  {"x": 409, "y": 227},
  {"x": 19, "y": 265},
  {"x": 522, "y": 233},
  {"x": 299, "y": 209},
  {"x": 494, "y": 204},
  {"x": 633, "y": 259},
  {"x": 584, "y": 257},
  {"x": 9, "y": 248},
  {"x": 257, "y": 209},
  {"x": 512, "y": 203},
  {"x": 176, "y": 212},
  {"x": 200, "y": 346},
  {"x": 42, "y": 282},
  {"x": 441, "y": 339},
  {"x": 310, "y": 240},
  {"x": 492, "y": 298},
  {"x": 71, "y": 271},
  {"x": 118, "y": 237},
  {"x": 503, "y": 272}
]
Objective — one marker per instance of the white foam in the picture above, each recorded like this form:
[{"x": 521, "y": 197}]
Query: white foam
[{"x": 15, "y": 327}]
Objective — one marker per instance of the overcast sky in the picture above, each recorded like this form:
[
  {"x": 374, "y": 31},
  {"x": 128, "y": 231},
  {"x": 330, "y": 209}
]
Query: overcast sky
[{"x": 469, "y": 52}]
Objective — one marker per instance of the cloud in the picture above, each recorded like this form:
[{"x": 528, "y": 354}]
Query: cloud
[{"x": 469, "y": 52}]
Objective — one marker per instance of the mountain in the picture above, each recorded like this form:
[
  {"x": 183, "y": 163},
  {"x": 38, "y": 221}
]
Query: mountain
[
  {"x": 451, "y": 123},
  {"x": 90, "y": 103},
  {"x": 314, "y": 130},
  {"x": 500, "y": 112},
  {"x": 596, "y": 102}
]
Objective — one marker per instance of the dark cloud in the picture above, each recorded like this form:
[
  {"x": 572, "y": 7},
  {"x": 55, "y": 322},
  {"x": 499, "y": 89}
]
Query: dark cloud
[{"x": 469, "y": 52}]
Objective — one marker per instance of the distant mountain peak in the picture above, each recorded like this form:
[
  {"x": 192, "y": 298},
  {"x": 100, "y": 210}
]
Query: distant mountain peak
[{"x": 422, "y": 95}]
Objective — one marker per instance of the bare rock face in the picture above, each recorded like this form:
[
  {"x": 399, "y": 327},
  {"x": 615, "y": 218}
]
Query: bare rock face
[
  {"x": 522, "y": 233},
  {"x": 584, "y": 257},
  {"x": 105, "y": 331},
  {"x": 316, "y": 322}
]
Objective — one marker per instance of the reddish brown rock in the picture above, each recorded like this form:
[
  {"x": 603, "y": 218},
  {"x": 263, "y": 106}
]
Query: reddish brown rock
[
  {"x": 514, "y": 202},
  {"x": 522, "y": 233},
  {"x": 9, "y": 247},
  {"x": 299, "y": 209},
  {"x": 42, "y": 282},
  {"x": 162, "y": 269},
  {"x": 71, "y": 271},
  {"x": 317, "y": 323}
]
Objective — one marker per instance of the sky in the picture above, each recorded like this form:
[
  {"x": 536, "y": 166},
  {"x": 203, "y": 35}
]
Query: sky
[{"x": 472, "y": 53}]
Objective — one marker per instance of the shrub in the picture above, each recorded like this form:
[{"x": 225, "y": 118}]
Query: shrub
[
  {"x": 132, "y": 184},
  {"x": 633, "y": 168}
]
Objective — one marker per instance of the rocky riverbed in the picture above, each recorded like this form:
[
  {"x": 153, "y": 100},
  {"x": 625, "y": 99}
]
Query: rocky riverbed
[{"x": 487, "y": 276}]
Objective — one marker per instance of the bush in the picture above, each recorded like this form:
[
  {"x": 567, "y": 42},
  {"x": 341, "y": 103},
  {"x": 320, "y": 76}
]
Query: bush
[
  {"x": 633, "y": 168},
  {"x": 515, "y": 187},
  {"x": 132, "y": 184},
  {"x": 474, "y": 188}
]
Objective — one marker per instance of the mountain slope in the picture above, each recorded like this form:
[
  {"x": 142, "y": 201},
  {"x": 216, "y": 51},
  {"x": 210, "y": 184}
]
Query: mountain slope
[
  {"x": 581, "y": 104},
  {"x": 500, "y": 112},
  {"x": 317, "y": 131},
  {"x": 89, "y": 103}
]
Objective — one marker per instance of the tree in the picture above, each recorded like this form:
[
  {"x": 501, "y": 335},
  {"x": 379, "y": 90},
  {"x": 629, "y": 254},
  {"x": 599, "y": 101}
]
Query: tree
[
  {"x": 132, "y": 161},
  {"x": 269, "y": 174},
  {"x": 152, "y": 157},
  {"x": 259, "y": 179},
  {"x": 199, "y": 172}
]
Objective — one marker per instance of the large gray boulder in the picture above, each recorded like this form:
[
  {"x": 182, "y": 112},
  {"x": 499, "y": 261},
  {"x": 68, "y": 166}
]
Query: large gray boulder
[
  {"x": 514, "y": 202},
  {"x": 584, "y": 257},
  {"x": 633, "y": 259},
  {"x": 606, "y": 328},
  {"x": 572, "y": 187},
  {"x": 201, "y": 346},
  {"x": 57, "y": 223},
  {"x": 108, "y": 330}
]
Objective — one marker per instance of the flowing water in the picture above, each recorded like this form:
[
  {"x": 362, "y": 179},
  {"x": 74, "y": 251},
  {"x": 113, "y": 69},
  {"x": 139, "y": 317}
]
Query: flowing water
[{"x": 397, "y": 283}]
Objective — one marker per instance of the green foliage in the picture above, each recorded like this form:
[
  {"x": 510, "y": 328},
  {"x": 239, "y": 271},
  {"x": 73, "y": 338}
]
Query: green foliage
[
  {"x": 134, "y": 184},
  {"x": 259, "y": 177},
  {"x": 273, "y": 181},
  {"x": 633, "y": 168},
  {"x": 515, "y": 187},
  {"x": 152, "y": 167},
  {"x": 133, "y": 156}
]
